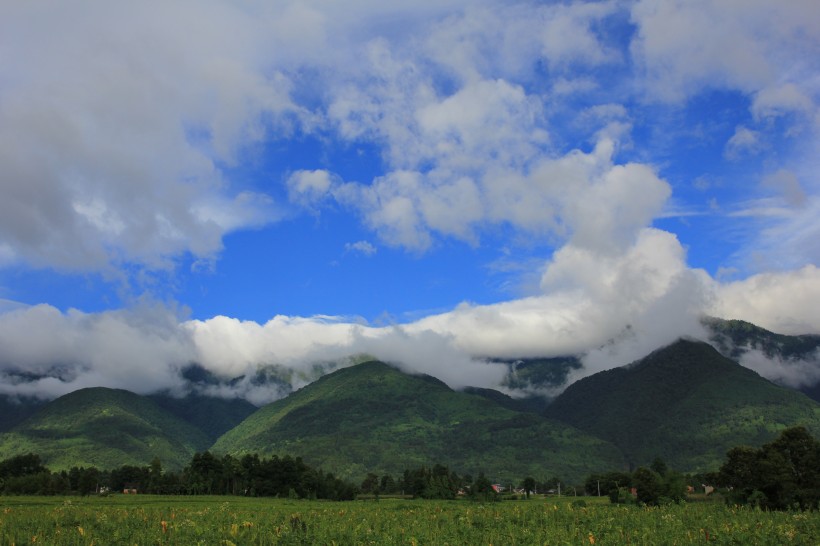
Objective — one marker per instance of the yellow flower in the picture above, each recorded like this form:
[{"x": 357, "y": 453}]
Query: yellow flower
[{"x": 591, "y": 538}]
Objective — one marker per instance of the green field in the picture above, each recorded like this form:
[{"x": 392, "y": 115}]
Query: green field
[{"x": 230, "y": 520}]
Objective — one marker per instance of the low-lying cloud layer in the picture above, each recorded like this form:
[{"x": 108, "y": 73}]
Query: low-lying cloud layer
[{"x": 647, "y": 299}]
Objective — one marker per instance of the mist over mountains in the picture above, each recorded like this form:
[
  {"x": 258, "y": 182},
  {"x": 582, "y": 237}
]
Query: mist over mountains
[
  {"x": 685, "y": 403},
  {"x": 150, "y": 352}
]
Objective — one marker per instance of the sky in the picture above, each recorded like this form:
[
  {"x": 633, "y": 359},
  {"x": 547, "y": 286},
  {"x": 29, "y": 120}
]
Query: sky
[{"x": 435, "y": 184}]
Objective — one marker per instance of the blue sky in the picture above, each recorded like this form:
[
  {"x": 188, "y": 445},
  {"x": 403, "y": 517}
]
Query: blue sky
[{"x": 291, "y": 178}]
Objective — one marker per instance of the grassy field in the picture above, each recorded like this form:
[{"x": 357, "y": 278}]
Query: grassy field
[{"x": 229, "y": 520}]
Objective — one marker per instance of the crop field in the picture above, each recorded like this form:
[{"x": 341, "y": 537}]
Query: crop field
[{"x": 216, "y": 520}]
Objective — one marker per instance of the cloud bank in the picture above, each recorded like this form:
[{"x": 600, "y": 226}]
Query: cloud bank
[{"x": 649, "y": 298}]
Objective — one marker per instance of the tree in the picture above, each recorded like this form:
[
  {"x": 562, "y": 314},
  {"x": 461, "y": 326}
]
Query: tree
[
  {"x": 659, "y": 466},
  {"x": 782, "y": 474},
  {"x": 673, "y": 487},
  {"x": 21, "y": 465},
  {"x": 648, "y": 485},
  {"x": 204, "y": 473},
  {"x": 388, "y": 484},
  {"x": 607, "y": 484},
  {"x": 482, "y": 489},
  {"x": 370, "y": 484},
  {"x": 529, "y": 485}
]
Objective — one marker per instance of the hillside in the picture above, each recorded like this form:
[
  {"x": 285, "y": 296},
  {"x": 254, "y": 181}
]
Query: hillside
[
  {"x": 211, "y": 415},
  {"x": 105, "y": 428},
  {"x": 373, "y": 418},
  {"x": 13, "y": 410},
  {"x": 685, "y": 403}
]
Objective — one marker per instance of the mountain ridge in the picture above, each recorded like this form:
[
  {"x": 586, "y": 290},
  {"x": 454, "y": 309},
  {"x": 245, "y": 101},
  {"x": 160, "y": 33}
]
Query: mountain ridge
[
  {"x": 374, "y": 418},
  {"x": 683, "y": 393},
  {"x": 103, "y": 427},
  {"x": 689, "y": 405}
]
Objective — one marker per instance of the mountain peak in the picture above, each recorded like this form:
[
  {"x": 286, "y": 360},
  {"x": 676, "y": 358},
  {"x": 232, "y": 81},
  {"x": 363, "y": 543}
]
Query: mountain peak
[{"x": 683, "y": 393}]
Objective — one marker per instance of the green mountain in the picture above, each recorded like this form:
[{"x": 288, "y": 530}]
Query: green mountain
[
  {"x": 105, "y": 428},
  {"x": 373, "y": 418},
  {"x": 212, "y": 416},
  {"x": 685, "y": 403}
]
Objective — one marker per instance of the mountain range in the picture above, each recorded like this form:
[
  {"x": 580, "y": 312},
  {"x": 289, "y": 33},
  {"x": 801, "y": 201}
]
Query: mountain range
[{"x": 687, "y": 403}]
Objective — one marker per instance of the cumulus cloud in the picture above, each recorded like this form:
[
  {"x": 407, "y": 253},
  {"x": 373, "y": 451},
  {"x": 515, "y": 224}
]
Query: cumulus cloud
[
  {"x": 754, "y": 46},
  {"x": 309, "y": 187},
  {"x": 114, "y": 121},
  {"x": 582, "y": 196}
]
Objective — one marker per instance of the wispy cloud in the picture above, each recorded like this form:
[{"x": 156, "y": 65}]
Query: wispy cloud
[{"x": 364, "y": 248}]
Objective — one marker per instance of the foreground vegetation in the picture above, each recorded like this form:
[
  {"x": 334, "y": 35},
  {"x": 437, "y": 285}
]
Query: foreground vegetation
[{"x": 149, "y": 519}]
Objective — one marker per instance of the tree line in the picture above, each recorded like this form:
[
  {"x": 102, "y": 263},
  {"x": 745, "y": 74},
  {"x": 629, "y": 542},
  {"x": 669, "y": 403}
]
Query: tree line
[
  {"x": 782, "y": 474},
  {"x": 439, "y": 482},
  {"x": 206, "y": 474}
]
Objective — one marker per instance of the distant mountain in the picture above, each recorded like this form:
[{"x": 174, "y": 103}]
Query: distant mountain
[
  {"x": 791, "y": 356},
  {"x": 733, "y": 338},
  {"x": 211, "y": 415},
  {"x": 373, "y": 418},
  {"x": 685, "y": 403},
  {"x": 539, "y": 375},
  {"x": 105, "y": 428}
]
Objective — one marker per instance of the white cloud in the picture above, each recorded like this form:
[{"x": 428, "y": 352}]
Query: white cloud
[
  {"x": 138, "y": 350},
  {"x": 748, "y": 45},
  {"x": 582, "y": 197},
  {"x": 786, "y": 183},
  {"x": 590, "y": 299},
  {"x": 113, "y": 121},
  {"x": 567, "y": 35},
  {"x": 744, "y": 142},
  {"x": 782, "y": 302},
  {"x": 794, "y": 373},
  {"x": 777, "y": 101},
  {"x": 309, "y": 187},
  {"x": 365, "y": 248}
]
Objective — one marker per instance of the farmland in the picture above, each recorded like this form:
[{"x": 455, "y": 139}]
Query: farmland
[{"x": 149, "y": 519}]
